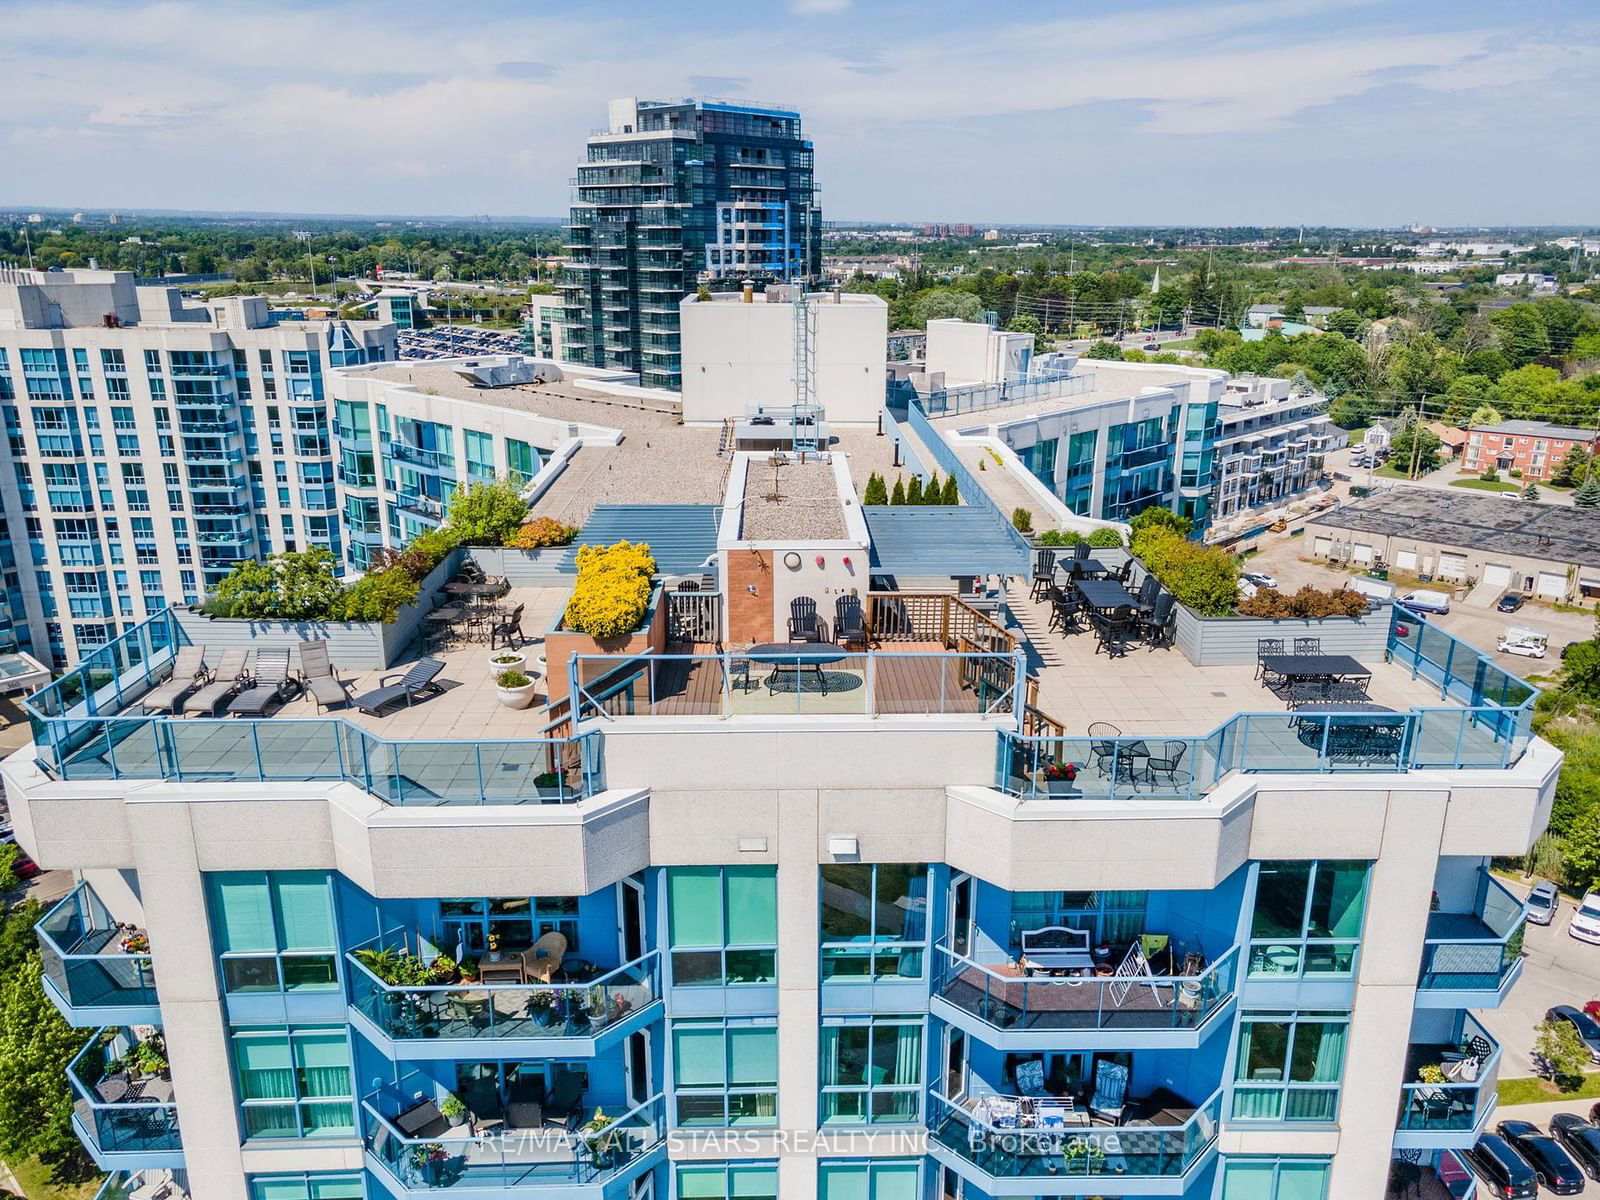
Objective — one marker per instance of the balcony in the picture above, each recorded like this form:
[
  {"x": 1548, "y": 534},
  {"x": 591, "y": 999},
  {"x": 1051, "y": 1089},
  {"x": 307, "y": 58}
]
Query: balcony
[
  {"x": 95, "y": 971},
  {"x": 1009, "y": 1008},
  {"x": 122, "y": 1109},
  {"x": 1472, "y": 959},
  {"x": 1005, "y": 1155},
  {"x": 428, "y": 460},
  {"x": 420, "y": 506},
  {"x": 415, "y": 1151},
  {"x": 575, "y": 1018},
  {"x": 1454, "y": 1108}
]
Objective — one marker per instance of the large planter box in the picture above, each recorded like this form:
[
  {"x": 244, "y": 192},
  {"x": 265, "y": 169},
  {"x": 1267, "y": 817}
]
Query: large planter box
[
  {"x": 1231, "y": 641},
  {"x": 560, "y": 644}
]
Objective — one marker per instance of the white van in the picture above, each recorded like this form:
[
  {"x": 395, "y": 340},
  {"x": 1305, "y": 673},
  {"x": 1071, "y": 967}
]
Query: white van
[
  {"x": 1377, "y": 591},
  {"x": 1426, "y": 601}
]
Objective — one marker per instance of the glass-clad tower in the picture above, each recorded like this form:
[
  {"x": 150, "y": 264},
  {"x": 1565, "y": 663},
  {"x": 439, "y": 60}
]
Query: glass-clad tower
[{"x": 672, "y": 194}]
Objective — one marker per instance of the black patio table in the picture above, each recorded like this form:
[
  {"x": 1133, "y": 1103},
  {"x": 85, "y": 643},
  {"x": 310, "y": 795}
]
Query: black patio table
[
  {"x": 1104, "y": 593},
  {"x": 1336, "y": 706},
  {"x": 797, "y": 657},
  {"x": 1091, "y": 567},
  {"x": 1314, "y": 666}
]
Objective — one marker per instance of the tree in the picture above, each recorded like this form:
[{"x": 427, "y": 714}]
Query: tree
[
  {"x": 1560, "y": 1053},
  {"x": 485, "y": 514},
  {"x": 1520, "y": 334},
  {"x": 932, "y": 490},
  {"x": 1416, "y": 451},
  {"x": 914, "y": 490},
  {"x": 952, "y": 490},
  {"x": 293, "y": 586},
  {"x": 899, "y": 495},
  {"x": 1106, "y": 350},
  {"x": 1588, "y": 496},
  {"x": 1345, "y": 321},
  {"x": 877, "y": 492},
  {"x": 1574, "y": 468},
  {"x": 1531, "y": 492},
  {"x": 1484, "y": 414},
  {"x": 939, "y": 304},
  {"x": 1025, "y": 323}
]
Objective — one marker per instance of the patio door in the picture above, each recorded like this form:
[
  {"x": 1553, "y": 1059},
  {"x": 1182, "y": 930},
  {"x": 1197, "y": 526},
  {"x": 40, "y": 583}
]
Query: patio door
[
  {"x": 962, "y": 890},
  {"x": 643, "y": 1188},
  {"x": 955, "y": 1062},
  {"x": 630, "y": 918},
  {"x": 636, "y": 1065}
]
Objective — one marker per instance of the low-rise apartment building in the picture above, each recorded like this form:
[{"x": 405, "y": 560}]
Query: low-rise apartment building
[
  {"x": 894, "y": 915},
  {"x": 154, "y": 444},
  {"x": 1270, "y": 444},
  {"x": 1535, "y": 448}
]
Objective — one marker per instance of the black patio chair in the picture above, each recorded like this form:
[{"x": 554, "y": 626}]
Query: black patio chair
[
  {"x": 1103, "y": 749},
  {"x": 1044, "y": 573},
  {"x": 1264, "y": 647},
  {"x": 1160, "y": 628},
  {"x": 1081, "y": 550},
  {"x": 1168, "y": 761},
  {"x": 509, "y": 628},
  {"x": 849, "y": 625},
  {"x": 1306, "y": 691},
  {"x": 1113, "y": 630},
  {"x": 803, "y": 623},
  {"x": 1308, "y": 645},
  {"x": 1148, "y": 591},
  {"x": 1064, "y": 612},
  {"x": 1347, "y": 691},
  {"x": 1125, "y": 572}
]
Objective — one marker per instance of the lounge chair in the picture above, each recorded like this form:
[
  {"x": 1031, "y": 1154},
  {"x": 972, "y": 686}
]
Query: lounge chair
[
  {"x": 1110, "y": 1091},
  {"x": 188, "y": 673},
  {"x": 269, "y": 684},
  {"x": 415, "y": 684},
  {"x": 317, "y": 674},
  {"x": 803, "y": 623},
  {"x": 849, "y": 626},
  {"x": 226, "y": 681}
]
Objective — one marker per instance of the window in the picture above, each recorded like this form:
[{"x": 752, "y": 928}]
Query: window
[
  {"x": 871, "y": 1071},
  {"x": 274, "y": 930},
  {"x": 294, "y": 1082},
  {"x": 480, "y": 455},
  {"x": 724, "y": 925},
  {"x": 725, "y": 1073},
  {"x": 1307, "y": 918},
  {"x": 874, "y": 920},
  {"x": 522, "y": 460},
  {"x": 315, "y": 1185},
  {"x": 865, "y": 1180},
  {"x": 516, "y": 922},
  {"x": 1289, "y": 1067},
  {"x": 1275, "y": 1179},
  {"x": 1109, "y": 917},
  {"x": 715, "y": 1181}
]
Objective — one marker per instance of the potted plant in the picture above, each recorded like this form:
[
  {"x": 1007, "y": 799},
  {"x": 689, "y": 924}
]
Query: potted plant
[
  {"x": 135, "y": 942},
  {"x": 502, "y": 661},
  {"x": 1083, "y": 1157},
  {"x": 595, "y": 1135},
  {"x": 1060, "y": 778},
  {"x": 469, "y": 969},
  {"x": 421, "y": 1157},
  {"x": 494, "y": 947},
  {"x": 547, "y": 783},
  {"x": 513, "y": 689},
  {"x": 453, "y": 1109},
  {"x": 541, "y": 1007},
  {"x": 1431, "y": 1073},
  {"x": 149, "y": 1057}
]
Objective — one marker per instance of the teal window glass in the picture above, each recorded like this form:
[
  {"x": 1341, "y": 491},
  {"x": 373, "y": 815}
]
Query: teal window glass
[
  {"x": 522, "y": 460},
  {"x": 725, "y": 1074},
  {"x": 316, "y": 1185},
  {"x": 480, "y": 455},
  {"x": 716, "y": 1181},
  {"x": 871, "y": 1071},
  {"x": 1307, "y": 918},
  {"x": 874, "y": 920},
  {"x": 294, "y": 1083},
  {"x": 1275, "y": 1179},
  {"x": 723, "y": 925},
  {"x": 869, "y": 1180},
  {"x": 1288, "y": 1067},
  {"x": 274, "y": 931}
]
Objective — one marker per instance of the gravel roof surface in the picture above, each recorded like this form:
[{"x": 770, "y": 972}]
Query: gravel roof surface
[{"x": 809, "y": 507}]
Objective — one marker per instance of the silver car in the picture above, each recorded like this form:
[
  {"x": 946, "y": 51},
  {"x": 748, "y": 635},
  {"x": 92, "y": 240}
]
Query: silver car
[{"x": 1543, "y": 902}]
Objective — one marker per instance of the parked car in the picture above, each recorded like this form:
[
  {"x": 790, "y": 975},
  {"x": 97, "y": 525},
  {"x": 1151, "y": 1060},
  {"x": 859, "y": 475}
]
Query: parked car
[
  {"x": 1426, "y": 601},
  {"x": 1494, "y": 1161},
  {"x": 1579, "y": 1138},
  {"x": 1553, "y": 1165},
  {"x": 22, "y": 865},
  {"x": 1510, "y": 602},
  {"x": 1246, "y": 588},
  {"x": 1588, "y": 1028},
  {"x": 1585, "y": 923},
  {"x": 1543, "y": 902},
  {"x": 1261, "y": 579}
]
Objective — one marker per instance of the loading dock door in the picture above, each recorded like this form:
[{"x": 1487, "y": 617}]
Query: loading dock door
[
  {"x": 1496, "y": 575},
  {"x": 1405, "y": 560},
  {"x": 1551, "y": 585},
  {"x": 1452, "y": 566},
  {"x": 1321, "y": 546}
]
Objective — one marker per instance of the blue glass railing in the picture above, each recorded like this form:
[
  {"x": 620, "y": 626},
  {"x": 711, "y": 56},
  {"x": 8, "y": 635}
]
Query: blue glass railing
[
  {"x": 1007, "y": 1148},
  {"x": 1489, "y": 725},
  {"x": 119, "y": 1108},
  {"x": 1464, "y": 1098},
  {"x": 1476, "y": 951},
  {"x": 1043, "y": 385},
  {"x": 81, "y": 948},
  {"x": 80, "y": 732}
]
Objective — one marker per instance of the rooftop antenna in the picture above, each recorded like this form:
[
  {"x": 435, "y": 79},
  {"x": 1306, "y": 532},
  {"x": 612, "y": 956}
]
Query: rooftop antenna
[{"x": 776, "y": 462}]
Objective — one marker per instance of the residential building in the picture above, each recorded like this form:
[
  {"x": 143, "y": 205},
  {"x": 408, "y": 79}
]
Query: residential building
[
  {"x": 1535, "y": 448},
  {"x": 671, "y": 195},
  {"x": 743, "y": 351},
  {"x": 1270, "y": 444},
  {"x": 885, "y": 922},
  {"x": 1499, "y": 543},
  {"x": 541, "y": 330},
  {"x": 156, "y": 444},
  {"x": 1452, "y": 441}
]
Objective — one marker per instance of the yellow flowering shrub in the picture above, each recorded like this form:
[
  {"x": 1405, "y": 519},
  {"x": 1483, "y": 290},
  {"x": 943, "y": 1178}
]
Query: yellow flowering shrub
[{"x": 612, "y": 590}]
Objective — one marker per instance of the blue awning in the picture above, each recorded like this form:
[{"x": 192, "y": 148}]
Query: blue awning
[
  {"x": 951, "y": 541},
  {"x": 680, "y": 536}
]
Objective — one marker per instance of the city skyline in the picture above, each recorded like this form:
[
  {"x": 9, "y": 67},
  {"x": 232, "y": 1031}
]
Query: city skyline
[{"x": 1224, "y": 115}]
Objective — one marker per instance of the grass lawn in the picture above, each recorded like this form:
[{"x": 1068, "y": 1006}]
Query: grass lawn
[
  {"x": 1390, "y": 471},
  {"x": 38, "y": 1182},
  {"x": 1486, "y": 485},
  {"x": 1542, "y": 1091}
]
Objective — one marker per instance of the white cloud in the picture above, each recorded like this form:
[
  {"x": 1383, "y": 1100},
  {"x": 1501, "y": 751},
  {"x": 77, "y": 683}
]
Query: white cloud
[{"x": 811, "y": 8}]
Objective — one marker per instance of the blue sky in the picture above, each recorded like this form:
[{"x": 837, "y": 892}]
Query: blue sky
[{"x": 1204, "y": 111}]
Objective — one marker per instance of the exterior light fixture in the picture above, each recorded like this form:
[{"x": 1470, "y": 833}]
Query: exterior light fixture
[{"x": 792, "y": 561}]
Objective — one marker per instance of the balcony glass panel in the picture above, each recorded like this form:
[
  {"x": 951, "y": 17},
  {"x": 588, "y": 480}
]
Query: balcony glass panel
[{"x": 85, "y": 958}]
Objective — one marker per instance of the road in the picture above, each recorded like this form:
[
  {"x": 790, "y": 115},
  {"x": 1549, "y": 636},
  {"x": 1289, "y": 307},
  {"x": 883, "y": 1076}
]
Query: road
[{"x": 1556, "y": 969}]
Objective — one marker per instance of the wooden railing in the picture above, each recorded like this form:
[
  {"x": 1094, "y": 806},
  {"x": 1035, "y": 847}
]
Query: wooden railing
[
  {"x": 934, "y": 617},
  {"x": 694, "y": 617}
]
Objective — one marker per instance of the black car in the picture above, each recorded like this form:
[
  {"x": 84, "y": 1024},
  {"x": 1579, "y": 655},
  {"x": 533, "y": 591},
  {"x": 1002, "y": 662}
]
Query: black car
[
  {"x": 1588, "y": 1028},
  {"x": 1510, "y": 602},
  {"x": 1553, "y": 1165},
  {"x": 1494, "y": 1161},
  {"x": 1580, "y": 1139}
]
